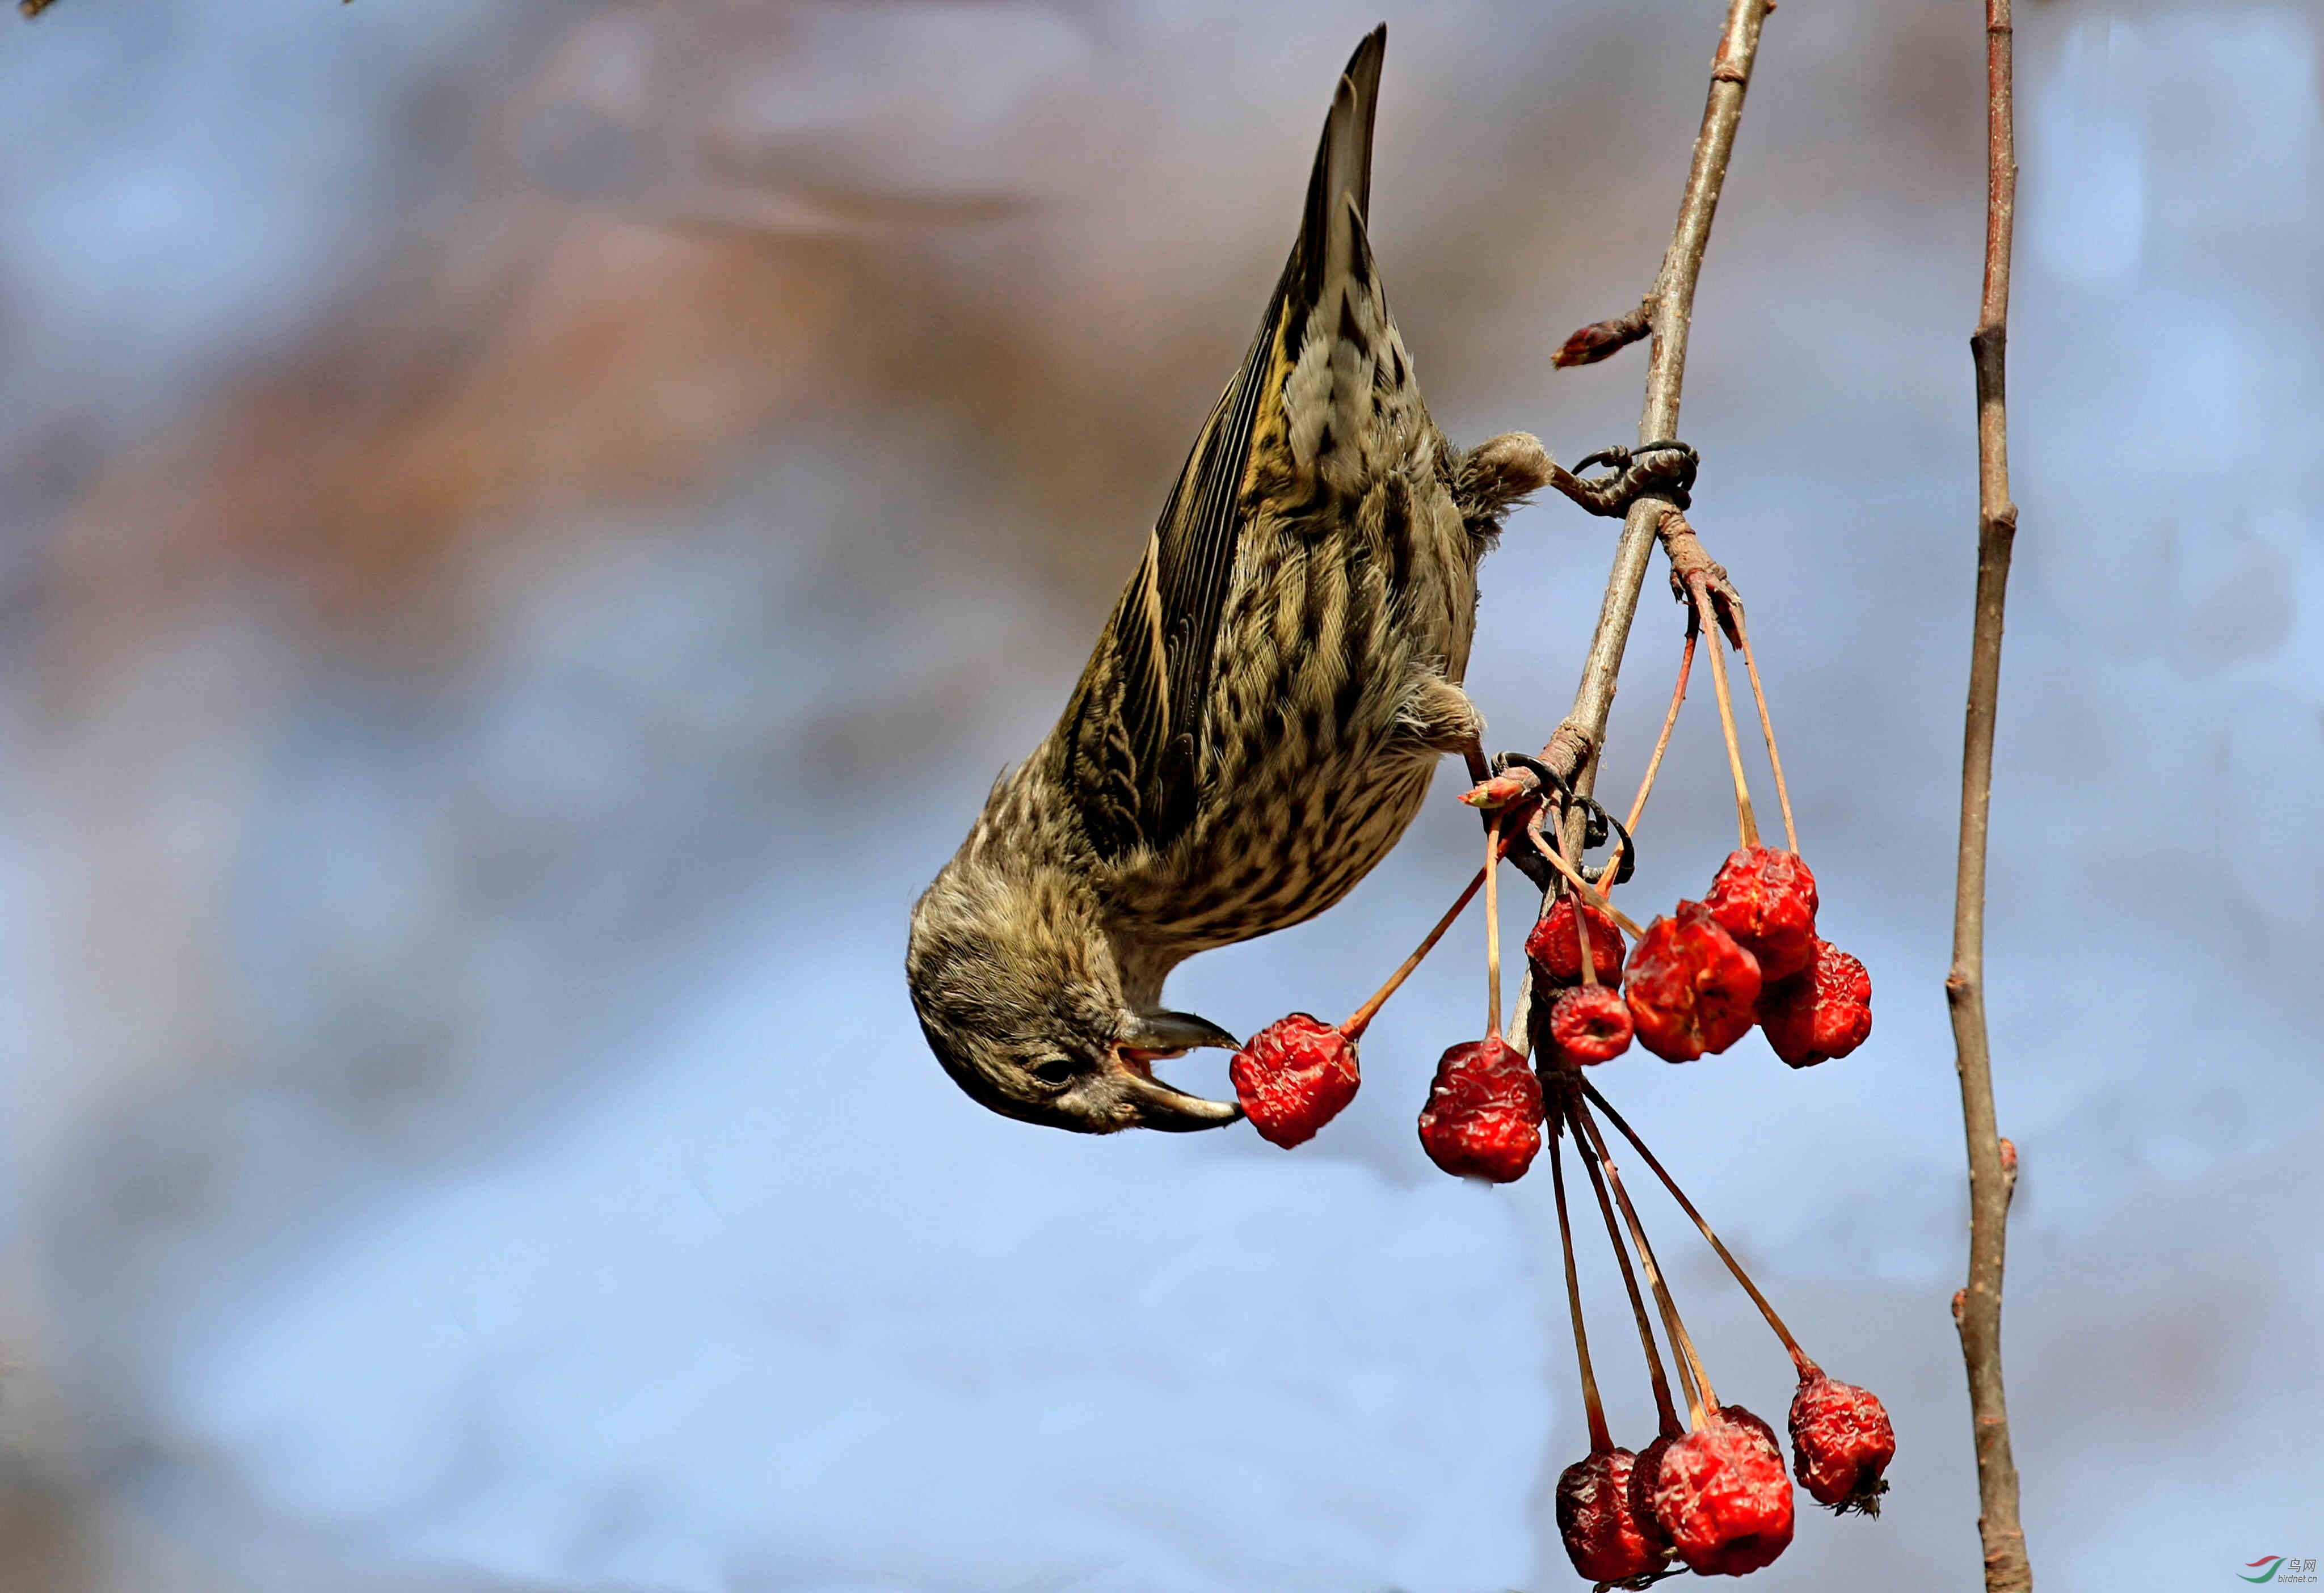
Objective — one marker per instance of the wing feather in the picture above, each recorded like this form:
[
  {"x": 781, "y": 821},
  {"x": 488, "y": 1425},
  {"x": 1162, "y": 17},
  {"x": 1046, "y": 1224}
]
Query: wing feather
[{"x": 1136, "y": 731}]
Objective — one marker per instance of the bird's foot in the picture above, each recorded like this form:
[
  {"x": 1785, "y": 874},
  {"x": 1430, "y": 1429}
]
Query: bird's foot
[
  {"x": 1518, "y": 779},
  {"x": 1662, "y": 469}
]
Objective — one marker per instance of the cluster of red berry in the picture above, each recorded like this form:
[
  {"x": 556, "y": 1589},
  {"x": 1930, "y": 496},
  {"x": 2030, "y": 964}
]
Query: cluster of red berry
[
  {"x": 1717, "y": 1498},
  {"x": 1746, "y": 954},
  {"x": 1711, "y": 1492}
]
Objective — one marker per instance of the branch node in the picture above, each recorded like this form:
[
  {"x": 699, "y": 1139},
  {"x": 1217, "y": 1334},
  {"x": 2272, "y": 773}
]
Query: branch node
[
  {"x": 1599, "y": 339},
  {"x": 1696, "y": 578}
]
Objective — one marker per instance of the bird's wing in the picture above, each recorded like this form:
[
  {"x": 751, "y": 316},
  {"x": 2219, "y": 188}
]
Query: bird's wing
[{"x": 1134, "y": 730}]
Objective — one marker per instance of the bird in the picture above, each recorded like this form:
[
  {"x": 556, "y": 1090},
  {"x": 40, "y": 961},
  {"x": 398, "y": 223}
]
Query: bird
[{"x": 1260, "y": 719}]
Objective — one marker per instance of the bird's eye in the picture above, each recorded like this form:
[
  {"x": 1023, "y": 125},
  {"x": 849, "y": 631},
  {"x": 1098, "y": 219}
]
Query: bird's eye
[{"x": 1056, "y": 1071}]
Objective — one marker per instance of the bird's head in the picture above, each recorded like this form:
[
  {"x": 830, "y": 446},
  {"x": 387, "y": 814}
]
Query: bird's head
[{"x": 1020, "y": 992}]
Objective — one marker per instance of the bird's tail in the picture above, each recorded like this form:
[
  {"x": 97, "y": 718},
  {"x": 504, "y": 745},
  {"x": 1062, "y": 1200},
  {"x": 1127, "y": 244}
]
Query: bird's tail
[{"x": 1329, "y": 244}]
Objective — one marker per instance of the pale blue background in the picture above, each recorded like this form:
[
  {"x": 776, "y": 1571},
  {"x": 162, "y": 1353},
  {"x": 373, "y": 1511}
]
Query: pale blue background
[{"x": 526, "y": 527}]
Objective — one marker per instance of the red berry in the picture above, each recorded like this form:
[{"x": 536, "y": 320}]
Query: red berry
[
  {"x": 1758, "y": 1425},
  {"x": 1823, "y": 1011},
  {"x": 1590, "y": 1023},
  {"x": 1841, "y": 1442},
  {"x": 1692, "y": 989},
  {"x": 1604, "y": 1536},
  {"x": 1767, "y": 899},
  {"x": 1645, "y": 1476},
  {"x": 1293, "y": 1077},
  {"x": 1483, "y": 1116},
  {"x": 1723, "y": 1497},
  {"x": 1556, "y": 950}
]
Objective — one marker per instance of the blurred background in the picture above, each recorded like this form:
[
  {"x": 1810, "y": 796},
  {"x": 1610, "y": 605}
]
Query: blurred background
[{"x": 527, "y": 528}]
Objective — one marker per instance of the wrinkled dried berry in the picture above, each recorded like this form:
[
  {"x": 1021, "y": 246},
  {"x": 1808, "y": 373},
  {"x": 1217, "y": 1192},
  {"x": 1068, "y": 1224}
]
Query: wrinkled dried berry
[
  {"x": 1645, "y": 1476},
  {"x": 1691, "y": 988},
  {"x": 1841, "y": 1442},
  {"x": 1483, "y": 1116},
  {"x": 1767, "y": 899},
  {"x": 1823, "y": 1011},
  {"x": 1556, "y": 950},
  {"x": 1756, "y": 1424},
  {"x": 1603, "y": 1535},
  {"x": 1723, "y": 1496},
  {"x": 1293, "y": 1077},
  {"x": 1589, "y": 1023}
]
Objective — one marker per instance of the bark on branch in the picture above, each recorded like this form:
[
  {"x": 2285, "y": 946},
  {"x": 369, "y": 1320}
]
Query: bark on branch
[
  {"x": 1670, "y": 311},
  {"x": 1667, "y": 310},
  {"x": 1992, "y": 1160}
]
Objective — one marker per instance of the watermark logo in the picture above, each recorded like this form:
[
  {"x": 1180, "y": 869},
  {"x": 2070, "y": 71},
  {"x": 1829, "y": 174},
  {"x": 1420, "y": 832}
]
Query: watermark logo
[{"x": 2277, "y": 1567}]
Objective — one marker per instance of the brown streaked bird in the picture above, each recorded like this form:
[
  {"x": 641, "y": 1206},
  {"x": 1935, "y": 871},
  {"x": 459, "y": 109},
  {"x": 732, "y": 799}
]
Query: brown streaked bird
[{"x": 1263, "y": 712}]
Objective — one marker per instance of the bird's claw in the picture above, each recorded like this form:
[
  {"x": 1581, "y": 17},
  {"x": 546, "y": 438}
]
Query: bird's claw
[{"x": 1664, "y": 468}]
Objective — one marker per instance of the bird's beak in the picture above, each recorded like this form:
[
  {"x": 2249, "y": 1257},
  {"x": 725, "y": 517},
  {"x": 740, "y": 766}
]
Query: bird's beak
[
  {"x": 1149, "y": 1035},
  {"x": 1172, "y": 1034}
]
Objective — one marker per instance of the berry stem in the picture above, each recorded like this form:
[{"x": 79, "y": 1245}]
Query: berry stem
[
  {"x": 1361, "y": 1019},
  {"x": 1665, "y": 1412},
  {"x": 1492, "y": 933},
  {"x": 1700, "y": 1395},
  {"x": 1582, "y": 925},
  {"x": 1670, "y": 722},
  {"x": 1799, "y": 1357},
  {"x": 1745, "y": 822},
  {"x": 1589, "y": 892},
  {"x": 1768, "y": 729},
  {"x": 1601, "y": 1440}
]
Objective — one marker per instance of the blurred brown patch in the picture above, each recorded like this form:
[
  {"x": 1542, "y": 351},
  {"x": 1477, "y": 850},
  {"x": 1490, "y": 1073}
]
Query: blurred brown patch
[{"x": 551, "y": 355}]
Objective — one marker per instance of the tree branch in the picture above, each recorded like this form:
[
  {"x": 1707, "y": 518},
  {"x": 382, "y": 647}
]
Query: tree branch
[
  {"x": 1668, "y": 309},
  {"x": 1992, "y": 1164},
  {"x": 1574, "y": 748}
]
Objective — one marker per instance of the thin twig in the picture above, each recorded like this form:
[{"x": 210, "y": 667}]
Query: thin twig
[
  {"x": 1361, "y": 1019},
  {"x": 1572, "y": 751},
  {"x": 1701, "y": 1399},
  {"x": 1669, "y": 722},
  {"x": 1601, "y": 1440},
  {"x": 1665, "y": 1413},
  {"x": 2007, "y": 1569},
  {"x": 1790, "y": 1345},
  {"x": 1493, "y": 932},
  {"x": 1590, "y": 894},
  {"x": 1747, "y": 824},
  {"x": 1774, "y": 759},
  {"x": 1581, "y": 945}
]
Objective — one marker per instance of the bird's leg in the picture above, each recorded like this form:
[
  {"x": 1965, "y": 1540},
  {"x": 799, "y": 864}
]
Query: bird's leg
[
  {"x": 1436, "y": 717},
  {"x": 1490, "y": 478}
]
